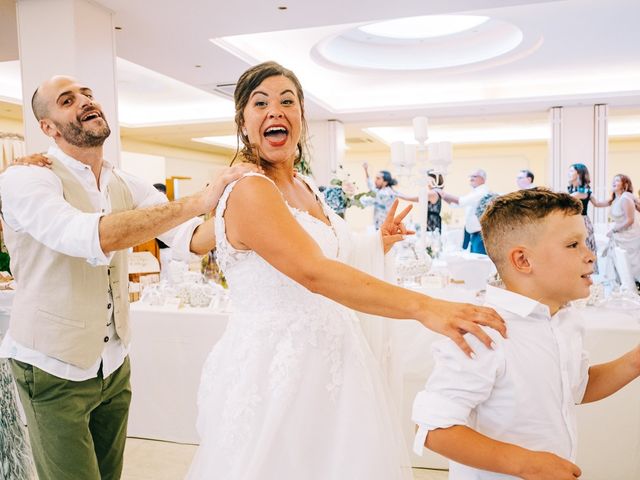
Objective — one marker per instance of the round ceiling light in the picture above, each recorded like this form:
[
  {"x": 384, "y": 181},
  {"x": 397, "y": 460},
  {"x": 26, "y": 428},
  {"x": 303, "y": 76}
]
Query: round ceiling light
[
  {"x": 427, "y": 43},
  {"x": 426, "y": 26}
]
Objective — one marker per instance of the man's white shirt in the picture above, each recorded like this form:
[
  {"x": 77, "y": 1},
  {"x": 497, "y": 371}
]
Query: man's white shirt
[
  {"x": 524, "y": 392},
  {"x": 470, "y": 202},
  {"x": 51, "y": 220}
]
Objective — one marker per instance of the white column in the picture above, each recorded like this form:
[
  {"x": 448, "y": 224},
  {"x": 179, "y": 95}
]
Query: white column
[
  {"x": 600, "y": 158},
  {"x": 579, "y": 135},
  {"x": 68, "y": 37},
  {"x": 326, "y": 145},
  {"x": 555, "y": 179}
]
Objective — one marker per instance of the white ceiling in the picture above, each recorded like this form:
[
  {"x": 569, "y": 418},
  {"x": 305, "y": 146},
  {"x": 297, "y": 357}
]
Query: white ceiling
[{"x": 577, "y": 52}]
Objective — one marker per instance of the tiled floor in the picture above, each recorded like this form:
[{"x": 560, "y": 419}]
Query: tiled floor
[{"x": 152, "y": 460}]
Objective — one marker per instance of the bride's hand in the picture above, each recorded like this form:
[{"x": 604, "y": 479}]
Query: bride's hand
[
  {"x": 456, "y": 319},
  {"x": 393, "y": 230},
  {"x": 213, "y": 191},
  {"x": 37, "y": 159}
]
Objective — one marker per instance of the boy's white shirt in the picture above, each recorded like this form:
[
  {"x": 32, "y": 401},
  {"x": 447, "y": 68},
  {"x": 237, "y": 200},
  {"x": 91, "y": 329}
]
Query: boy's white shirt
[{"x": 523, "y": 392}]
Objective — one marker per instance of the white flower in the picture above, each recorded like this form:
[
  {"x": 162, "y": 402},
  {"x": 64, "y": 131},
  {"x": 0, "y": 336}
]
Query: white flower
[{"x": 349, "y": 188}]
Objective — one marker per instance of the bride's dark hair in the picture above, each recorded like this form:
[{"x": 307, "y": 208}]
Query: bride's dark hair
[{"x": 247, "y": 83}]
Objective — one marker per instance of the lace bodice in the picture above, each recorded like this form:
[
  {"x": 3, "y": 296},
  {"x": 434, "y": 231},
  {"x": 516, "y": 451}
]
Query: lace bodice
[{"x": 257, "y": 287}]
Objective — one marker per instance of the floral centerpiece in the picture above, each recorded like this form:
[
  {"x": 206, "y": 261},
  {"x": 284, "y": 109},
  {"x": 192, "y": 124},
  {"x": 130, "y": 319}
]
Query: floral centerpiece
[{"x": 343, "y": 193}]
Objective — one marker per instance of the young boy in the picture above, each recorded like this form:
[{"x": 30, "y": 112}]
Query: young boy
[{"x": 509, "y": 412}]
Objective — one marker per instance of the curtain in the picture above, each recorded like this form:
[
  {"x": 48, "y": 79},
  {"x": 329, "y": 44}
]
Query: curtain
[{"x": 11, "y": 147}]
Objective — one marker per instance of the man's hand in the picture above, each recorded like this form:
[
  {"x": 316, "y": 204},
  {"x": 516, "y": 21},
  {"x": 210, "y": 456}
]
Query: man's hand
[
  {"x": 213, "y": 191},
  {"x": 393, "y": 230},
  {"x": 547, "y": 466},
  {"x": 37, "y": 159}
]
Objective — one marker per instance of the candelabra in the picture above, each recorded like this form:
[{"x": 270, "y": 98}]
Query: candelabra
[{"x": 434, "y": 158}]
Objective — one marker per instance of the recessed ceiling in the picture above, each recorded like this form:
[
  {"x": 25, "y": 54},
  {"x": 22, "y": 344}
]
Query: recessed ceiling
[
  {"x": 572, "y": 52},
  {"x": 421, "y": 49},
  {"x": 422, "y": 27}
]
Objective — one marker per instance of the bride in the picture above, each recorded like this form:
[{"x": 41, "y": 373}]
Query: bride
[{"x": 291, "y": 390}]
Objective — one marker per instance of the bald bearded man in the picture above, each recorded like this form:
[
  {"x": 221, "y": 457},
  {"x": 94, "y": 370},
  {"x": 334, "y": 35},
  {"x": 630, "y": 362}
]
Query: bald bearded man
[{"x": 67, "y": 228}]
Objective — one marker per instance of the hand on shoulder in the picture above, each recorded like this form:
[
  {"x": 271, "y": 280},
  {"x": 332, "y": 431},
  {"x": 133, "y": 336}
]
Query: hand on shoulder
[
  {"x": 214, "y": 190},
  {"x": 35, "y": 159}
]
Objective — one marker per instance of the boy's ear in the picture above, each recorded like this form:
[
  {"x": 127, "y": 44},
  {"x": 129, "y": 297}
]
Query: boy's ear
[{"x": 518, "y": 258}]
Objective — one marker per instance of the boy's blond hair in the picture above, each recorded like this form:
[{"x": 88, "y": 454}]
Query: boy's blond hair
[{"x": 516, "y": 216}]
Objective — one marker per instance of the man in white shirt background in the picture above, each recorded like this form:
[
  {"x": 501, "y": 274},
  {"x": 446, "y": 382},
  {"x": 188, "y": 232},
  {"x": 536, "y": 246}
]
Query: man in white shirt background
[
  {"x": 66, "y": 228},
  {"x": 510, "y": 412},
  {"x": 524, "y": 179},
  {"x": 470, "y": 201}
]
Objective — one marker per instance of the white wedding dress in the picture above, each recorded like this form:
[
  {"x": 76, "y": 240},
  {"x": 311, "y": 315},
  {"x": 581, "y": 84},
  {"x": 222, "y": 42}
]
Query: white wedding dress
[{"x": 292, "y": 391}]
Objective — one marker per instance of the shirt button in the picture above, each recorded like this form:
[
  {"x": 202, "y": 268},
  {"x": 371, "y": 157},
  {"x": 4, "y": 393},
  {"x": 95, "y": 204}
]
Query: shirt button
[
  {"x": 106, "y": 339},
  {"x": 108, "y": 306}
]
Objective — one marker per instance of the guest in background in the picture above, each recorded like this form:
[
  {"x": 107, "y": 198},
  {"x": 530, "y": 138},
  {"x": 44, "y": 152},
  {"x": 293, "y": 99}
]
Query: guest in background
[
  {"x": 470, "y": 201},
  {"x": 524, "y": 179},
  {"x": 382, "y": 186},
  {"x": 165, "y": 250},
  {"x": 580, "y": 188},
  {"x": 626, "y": 229},
  {"x": 434, "y": 202}
]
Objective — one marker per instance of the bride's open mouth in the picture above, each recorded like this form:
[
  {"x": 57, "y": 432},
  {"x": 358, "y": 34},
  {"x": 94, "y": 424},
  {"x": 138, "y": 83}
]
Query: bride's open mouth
[{"x": 276, "y": 135}]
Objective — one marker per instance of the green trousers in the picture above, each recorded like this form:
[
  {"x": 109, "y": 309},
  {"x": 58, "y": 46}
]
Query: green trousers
[{"x": 77, "y": 430}]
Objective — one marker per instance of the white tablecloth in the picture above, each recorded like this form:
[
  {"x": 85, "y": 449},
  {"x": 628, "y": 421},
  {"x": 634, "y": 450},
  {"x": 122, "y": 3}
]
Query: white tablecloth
[
  {"x": 168, "y": 349},
  {"x": 6, "y": 299}
]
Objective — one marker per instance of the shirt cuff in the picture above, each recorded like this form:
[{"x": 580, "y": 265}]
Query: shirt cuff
[
  {"x": 420, "y": 440},
  {"x": 181, "y": 242},
  {"x": 432, "y": 410},
  {"x": 98, "y": 257}
]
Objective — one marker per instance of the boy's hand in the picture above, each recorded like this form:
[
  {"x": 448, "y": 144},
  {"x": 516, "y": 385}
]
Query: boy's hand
[{"x": 547, "y": 466}]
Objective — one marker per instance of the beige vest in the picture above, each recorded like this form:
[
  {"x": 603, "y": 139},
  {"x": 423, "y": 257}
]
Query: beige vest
[{"x": 61, "y": 302}]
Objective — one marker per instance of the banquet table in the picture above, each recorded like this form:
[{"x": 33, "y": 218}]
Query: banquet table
[
  {"x": 6, "y": 299},
  {"x": 168, "y": 348}
]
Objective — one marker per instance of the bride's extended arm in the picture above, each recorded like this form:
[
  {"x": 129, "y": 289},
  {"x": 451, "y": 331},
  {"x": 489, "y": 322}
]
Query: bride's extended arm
[{"x": 257, "y": 219}]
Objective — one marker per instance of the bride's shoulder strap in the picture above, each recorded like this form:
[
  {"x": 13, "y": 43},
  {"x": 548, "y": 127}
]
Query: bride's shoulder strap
[
  {"x": 310, "y": 182},
  {"x": 222, "y": 203}
]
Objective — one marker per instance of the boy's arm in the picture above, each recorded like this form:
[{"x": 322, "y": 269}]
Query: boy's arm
[
  {"x": 464, "y": 445},
  {"x": 607, "y": 378}
]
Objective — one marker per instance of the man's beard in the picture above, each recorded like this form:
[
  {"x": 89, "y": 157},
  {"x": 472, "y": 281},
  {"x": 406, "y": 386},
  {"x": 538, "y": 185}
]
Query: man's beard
[{"x": 74, "y": 134}]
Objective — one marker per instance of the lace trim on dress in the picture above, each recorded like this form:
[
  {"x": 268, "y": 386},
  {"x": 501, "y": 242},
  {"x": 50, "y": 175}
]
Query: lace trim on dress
[{"x": 227, "y": 254}]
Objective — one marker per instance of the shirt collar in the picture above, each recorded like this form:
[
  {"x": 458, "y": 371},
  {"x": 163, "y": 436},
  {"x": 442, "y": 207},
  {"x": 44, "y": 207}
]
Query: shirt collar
[
  {"x": 71, "y": 162},
  {"x": 515, "y": 303}
]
